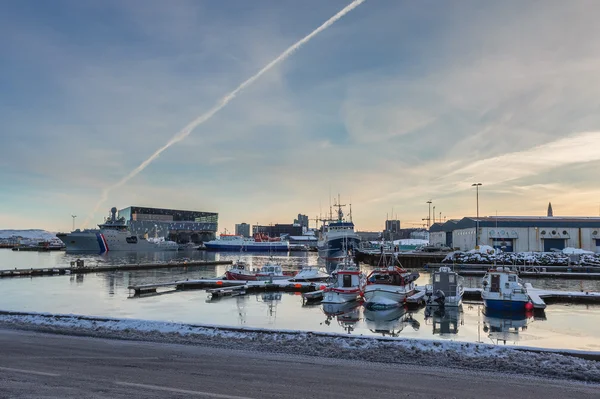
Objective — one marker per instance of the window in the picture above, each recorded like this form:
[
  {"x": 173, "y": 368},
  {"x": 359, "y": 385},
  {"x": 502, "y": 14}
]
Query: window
[
  {"x": 437, "y": 278},
  {"x": 451, "y": 278},
  {"x": 512, "y": 278}
]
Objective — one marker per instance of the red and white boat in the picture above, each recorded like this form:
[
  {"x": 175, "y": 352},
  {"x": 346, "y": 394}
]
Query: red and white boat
[
  {"x": 349, "y": 283},
  {"x": 240, "y": 271},
  {"x": 389, "y": 286}
]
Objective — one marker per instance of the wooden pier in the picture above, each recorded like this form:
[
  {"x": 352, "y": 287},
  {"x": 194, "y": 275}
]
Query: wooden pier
[
  {"x": 408, "y": 260},
  {"x": 53, "y": 271}
]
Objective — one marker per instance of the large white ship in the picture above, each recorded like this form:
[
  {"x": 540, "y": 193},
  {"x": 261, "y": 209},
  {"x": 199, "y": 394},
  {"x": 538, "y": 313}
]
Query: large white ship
[
  {"x": 228, "y": 242},
  {"x": 112, "y": 235},
  {"x": 337, "y": 237}
]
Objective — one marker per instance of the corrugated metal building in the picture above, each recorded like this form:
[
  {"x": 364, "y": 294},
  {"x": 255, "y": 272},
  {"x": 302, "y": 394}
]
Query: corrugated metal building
[{"x": 519, "y": 233}]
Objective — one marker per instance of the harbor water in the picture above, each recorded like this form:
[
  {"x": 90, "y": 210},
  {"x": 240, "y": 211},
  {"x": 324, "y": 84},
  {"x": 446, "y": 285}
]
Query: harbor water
[{"x": 564, "y": 326}]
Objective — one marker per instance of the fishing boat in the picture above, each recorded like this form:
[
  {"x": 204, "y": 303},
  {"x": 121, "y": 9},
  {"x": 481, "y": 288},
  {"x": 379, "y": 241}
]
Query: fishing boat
[
  {"x": 348, "y": 285},
  {"x": 311, "y": 273},
  {"x": 504, "y": 291},
  {"x": 240, "y": 270},
  {"x": 337, "y": 235},
  {"x": 389, "y": 286},
  {"x": 445, "y": 288}
]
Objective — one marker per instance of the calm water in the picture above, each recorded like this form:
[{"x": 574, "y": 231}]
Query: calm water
[{"x": 106, "y": 294}]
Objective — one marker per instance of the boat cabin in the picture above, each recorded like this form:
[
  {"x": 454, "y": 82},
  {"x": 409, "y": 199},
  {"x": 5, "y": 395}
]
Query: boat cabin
[
  {"x": 271, "y": 269},
  {"x": 445, "y": 280},
  {"x": 503, "y": 280}
]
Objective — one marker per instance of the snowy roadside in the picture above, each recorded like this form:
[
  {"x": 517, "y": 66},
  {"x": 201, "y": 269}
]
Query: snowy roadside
[{"x": 522, "y": 361}]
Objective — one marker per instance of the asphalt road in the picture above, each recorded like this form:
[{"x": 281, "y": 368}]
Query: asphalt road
[{"x": 34, "y": 365}]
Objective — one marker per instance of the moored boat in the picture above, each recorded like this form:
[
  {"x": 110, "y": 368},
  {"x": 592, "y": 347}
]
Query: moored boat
[
  {"x": 259, "y": 243},
  {"x": 445, "y": 288},
  {"x": 504, "y": 291},
  {"x": 389, "y": 286},
  {"x": 348, "y": 285},
  {"x": 311, "y": 273}
]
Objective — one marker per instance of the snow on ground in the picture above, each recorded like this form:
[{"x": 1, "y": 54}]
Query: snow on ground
[
  {"x": 33, "y": 234},
  {"x": 411, "y": 241},
  {"x": 576, "y": 251},
  {"x": 575, "y": 365}
]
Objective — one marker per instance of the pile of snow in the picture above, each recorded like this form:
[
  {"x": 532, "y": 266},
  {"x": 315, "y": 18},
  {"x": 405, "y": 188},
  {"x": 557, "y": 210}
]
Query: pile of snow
[
  {"x": 411, "y": 241},
  {"x": 576, "y": 251},
  {"x": 478, "y": 356},
  {"x": 33, "y": 234},
  {"x": 483, "y": 249},
  {"x": 520, "y": 258}
]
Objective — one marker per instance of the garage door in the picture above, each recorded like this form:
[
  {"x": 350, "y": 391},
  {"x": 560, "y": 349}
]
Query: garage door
[
  {"x": 504, "y": 244},
  {"x": 553, "y": 243}
]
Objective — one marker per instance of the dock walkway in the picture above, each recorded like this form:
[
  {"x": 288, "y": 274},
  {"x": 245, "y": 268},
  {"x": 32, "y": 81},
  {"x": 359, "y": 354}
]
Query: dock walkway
[{"x": 50, "y": 271}]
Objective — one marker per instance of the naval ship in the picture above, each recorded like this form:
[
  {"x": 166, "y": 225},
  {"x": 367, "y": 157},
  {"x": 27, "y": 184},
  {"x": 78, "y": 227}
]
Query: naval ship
[
  {"x": 337, "y": 237},
  {"x": 112, "y": 235}
]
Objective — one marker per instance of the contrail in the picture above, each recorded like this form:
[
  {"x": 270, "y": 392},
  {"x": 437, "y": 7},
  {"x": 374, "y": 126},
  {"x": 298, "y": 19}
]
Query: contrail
[{"x": 181, "y": 135}]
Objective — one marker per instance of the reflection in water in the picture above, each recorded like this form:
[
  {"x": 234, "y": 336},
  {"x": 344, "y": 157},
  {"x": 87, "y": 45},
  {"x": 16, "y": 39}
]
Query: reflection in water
[
  {"x": 445, "y": 320},
  {"x": 346, "y": 314},
  {"x": 502, "y": 326},
  {"x": 389, "y": 322},
  {"x": 271, "y": 299}
]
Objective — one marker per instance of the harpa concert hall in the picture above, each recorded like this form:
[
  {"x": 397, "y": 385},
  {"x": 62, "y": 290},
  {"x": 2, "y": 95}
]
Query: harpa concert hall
[{"x": 172, "y": 224}]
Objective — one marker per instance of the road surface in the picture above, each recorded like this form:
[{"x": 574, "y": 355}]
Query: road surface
[{"x": 36, "y": 365}]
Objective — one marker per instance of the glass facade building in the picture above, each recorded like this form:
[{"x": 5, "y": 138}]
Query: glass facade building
[{"x": 173, "y": 224}]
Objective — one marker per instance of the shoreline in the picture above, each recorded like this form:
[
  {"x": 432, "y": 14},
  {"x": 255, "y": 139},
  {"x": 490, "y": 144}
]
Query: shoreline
[{"x": 548, "y": 363}]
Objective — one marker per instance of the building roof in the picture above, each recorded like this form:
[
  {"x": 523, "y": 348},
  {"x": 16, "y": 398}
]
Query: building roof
[{"x": 518, "y": 221}]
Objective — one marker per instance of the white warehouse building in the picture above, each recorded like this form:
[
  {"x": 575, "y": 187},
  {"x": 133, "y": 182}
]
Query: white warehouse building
[{"x": 519, "y": 233}]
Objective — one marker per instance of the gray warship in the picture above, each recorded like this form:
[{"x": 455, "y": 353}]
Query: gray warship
[{"x": 113, "y": 235}]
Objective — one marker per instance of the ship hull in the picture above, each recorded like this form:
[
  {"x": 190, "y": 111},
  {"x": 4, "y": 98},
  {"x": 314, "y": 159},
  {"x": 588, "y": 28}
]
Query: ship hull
[
  {"x": 256, "y": 247},
  {"x": 335, "y": 248},
  {"x": 101, "y": 241}
]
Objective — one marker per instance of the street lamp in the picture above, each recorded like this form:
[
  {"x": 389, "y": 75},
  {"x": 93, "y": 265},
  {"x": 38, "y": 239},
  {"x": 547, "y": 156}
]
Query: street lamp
[
  {"x": 476, "y": 185},
  {"x": 429, "y": 217},
  {"x": 73, "y": 216}
]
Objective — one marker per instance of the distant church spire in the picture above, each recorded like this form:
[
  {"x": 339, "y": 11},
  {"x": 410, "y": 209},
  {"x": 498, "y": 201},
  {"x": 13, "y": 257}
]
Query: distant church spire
[{"x": 550, "y": 209}]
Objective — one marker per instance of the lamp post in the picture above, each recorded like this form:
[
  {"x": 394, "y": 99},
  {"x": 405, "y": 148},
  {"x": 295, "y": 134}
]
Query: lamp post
[
  {"x": 73, "y": 216},
  {"x": 434, "y": 214},
  {"x": 429, "y": 217},
  {"x": 476, "y": 185}
]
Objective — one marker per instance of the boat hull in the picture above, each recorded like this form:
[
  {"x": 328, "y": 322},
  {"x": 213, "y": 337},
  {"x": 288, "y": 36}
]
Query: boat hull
[
  {"x": 450, "y": 301},
  {"x": 257, "y": 247},
  {"x": 335, "y": 248},
  {"x": 505, "y": 306},
  {"x": 339, "y": 296},
  {"x": 383, "y": 295},
  {"x": 101, "y": 241},
  {"x": 240, "y": 276}
]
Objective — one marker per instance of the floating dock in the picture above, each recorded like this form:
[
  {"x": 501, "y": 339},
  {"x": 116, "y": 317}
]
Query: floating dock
[
  {"x": 534, "y": 271},
  {"x": 52, "y": 271},
  {"x": 224, "y": 285}
]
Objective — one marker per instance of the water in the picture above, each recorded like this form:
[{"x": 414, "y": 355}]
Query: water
[{"x": 106, "y": 294}]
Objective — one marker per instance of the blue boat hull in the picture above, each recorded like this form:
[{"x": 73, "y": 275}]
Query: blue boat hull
[
  {"x": 247, "y": 248},
  {"x": 504, "y": 306},
  {"x": 334, "y": 249}
]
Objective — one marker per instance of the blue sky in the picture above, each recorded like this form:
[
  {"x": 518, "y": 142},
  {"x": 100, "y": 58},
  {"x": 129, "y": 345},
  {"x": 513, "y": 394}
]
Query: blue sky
[{"x": 396, "y": 103}]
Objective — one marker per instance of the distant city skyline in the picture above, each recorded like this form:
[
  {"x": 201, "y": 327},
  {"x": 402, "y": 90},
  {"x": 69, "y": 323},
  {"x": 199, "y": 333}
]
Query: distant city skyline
[{"x": 395, "y": 104}]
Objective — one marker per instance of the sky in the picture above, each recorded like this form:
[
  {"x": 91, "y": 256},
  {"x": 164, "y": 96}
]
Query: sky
[{"x": 397, "y": 103}]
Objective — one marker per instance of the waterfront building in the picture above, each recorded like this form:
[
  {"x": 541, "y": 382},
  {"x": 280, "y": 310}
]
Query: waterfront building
[
  {"x": 278, "y": 230},
  {"x": 519, "y": 233},
  {"x": 242, "y": 229},
  {"x": 302, "y": 220},
  {"x": 172, "y": 224}
]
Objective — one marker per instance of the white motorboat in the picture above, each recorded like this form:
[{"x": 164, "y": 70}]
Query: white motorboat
[
  {"x": 389, "y": 286},
  {"x": 445, "y": 288},
  {"x": 311, "y": 273}
]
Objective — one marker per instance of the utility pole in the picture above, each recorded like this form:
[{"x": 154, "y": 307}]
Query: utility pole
[
  {"x": 477, "y": 221},
  {"x": 73, "y": 216},
  {"x": 429, "y": 217},
  {"x": 434, "y": 214}
]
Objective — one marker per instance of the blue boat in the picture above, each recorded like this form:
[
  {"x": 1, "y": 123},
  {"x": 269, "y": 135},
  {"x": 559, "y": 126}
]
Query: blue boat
[{"x": 503, "y": 291}]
